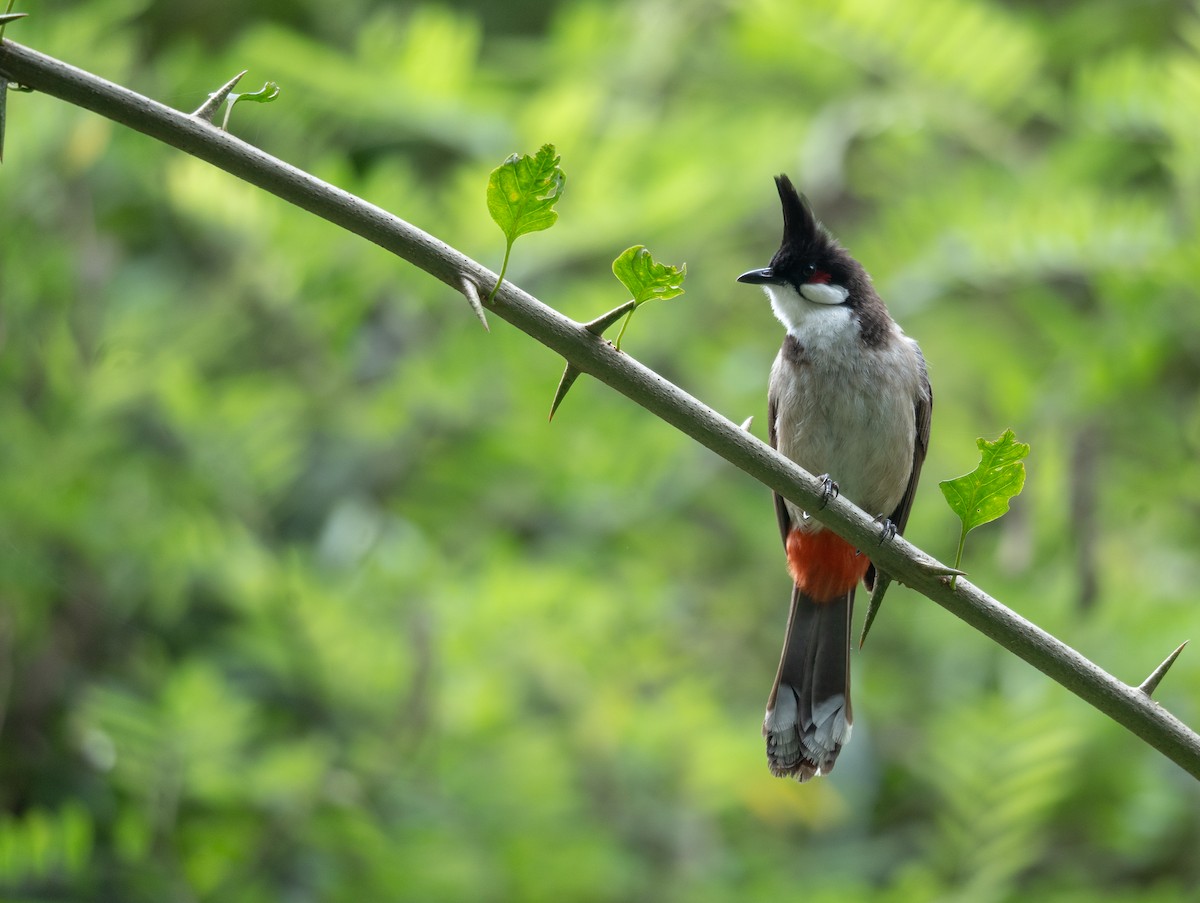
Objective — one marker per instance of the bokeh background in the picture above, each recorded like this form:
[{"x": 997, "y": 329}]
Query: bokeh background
[{"x": 302, "y": 598}]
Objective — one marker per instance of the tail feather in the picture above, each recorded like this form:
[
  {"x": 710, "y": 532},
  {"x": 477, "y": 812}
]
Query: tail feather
[{"x": 808, "y": 716}]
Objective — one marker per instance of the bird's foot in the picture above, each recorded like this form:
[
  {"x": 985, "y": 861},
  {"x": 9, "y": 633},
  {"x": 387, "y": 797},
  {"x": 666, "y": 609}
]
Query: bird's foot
[
  {"x": 887, "y": 530},
  {"x": 829, "y": 489}
]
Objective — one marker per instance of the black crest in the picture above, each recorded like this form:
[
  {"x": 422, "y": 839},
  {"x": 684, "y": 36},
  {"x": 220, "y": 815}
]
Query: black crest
[
  {"x": 805, "y": 240},
  {"x": 808, "y": 253}
]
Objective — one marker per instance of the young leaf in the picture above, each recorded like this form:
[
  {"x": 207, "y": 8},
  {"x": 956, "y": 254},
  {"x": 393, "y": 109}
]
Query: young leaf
[
  {"x": 983, "y": 494},
  {"x": 265, "y": 94},
  {"x": 646, "y": 279},
  {"x": 521, "y": 195}
]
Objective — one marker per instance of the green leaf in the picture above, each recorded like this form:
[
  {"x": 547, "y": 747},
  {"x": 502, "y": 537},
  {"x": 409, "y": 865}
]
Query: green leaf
[
  {"x": 523, "y": 190},
  {"x": 646, "y": 279},
  {"x": 983, "y": 494},
  {"x": 267, "y": 93},
  {"x": 521, "y": 195}
]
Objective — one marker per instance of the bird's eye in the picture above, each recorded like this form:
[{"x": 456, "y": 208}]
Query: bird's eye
[{"x": 807, "y": 270}]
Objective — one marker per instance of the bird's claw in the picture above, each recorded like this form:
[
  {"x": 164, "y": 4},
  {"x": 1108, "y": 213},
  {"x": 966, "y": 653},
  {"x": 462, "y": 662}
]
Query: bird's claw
[
  {"x": 829, "y": 489},
  {"x": 887, "y": 529}
]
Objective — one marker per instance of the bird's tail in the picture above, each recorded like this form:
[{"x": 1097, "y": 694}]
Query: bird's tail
[{"x": 808, "y": 715}]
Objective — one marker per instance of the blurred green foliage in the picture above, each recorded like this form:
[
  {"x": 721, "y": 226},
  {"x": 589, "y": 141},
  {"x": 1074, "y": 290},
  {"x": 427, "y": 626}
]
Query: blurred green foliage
[{"x": 302, "y": 599}]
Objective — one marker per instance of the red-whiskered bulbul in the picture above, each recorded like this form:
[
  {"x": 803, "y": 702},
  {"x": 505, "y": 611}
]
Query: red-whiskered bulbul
[{"x": 849, "y": 399}]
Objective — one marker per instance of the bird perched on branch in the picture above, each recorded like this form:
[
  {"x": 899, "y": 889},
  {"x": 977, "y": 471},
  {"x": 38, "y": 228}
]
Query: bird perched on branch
[{"x": 849, "y": 399}]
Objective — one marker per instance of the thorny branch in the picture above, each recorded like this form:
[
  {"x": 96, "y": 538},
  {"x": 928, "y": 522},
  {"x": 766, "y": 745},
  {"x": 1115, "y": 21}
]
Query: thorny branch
[{"x": 1130, "y": 706}]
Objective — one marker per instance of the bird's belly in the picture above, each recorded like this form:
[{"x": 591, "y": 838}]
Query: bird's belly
[{"x": 853, "y": 430}]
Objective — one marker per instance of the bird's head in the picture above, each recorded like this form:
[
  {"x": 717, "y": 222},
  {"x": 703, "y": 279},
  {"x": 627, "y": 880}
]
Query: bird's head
[{"x": 810, "y": 267}]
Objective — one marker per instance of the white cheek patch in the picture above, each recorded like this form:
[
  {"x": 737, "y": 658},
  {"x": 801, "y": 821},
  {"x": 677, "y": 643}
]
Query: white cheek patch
[
  {"x": 798, "y": 312},
  {"x": 822, "y": 293}
]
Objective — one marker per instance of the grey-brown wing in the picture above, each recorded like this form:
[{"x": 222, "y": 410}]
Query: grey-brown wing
[
  {"x": 781, "y": 512},
  {"x": 923, "y": 411}
]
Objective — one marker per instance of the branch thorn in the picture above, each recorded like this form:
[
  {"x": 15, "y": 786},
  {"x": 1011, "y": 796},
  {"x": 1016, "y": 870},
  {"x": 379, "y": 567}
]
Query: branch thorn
[
  {"x": 942, "y": 570},
  {"x": 209, "y": 108},
  {"x": 602, "y": 322},
  {"x": 596, "y": 327},
  {"x": 1150, "y": 684},
  {"x": 747, "y": 423},
  {"x": 471, "y": 292},
  {"x": 882, "y": 581},
  {"x": 570, "y": 374}
]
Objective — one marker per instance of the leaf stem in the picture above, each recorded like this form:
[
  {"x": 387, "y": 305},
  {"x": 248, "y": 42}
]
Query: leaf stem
[
  {"x": 625, "y": 324},
  {"x": 503, "y": 270},
  {"x": 962, "y": 541}
]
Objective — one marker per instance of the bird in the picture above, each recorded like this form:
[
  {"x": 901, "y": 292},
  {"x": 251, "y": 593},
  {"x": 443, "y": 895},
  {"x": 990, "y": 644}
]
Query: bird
[{"x": 849, "y": 399}]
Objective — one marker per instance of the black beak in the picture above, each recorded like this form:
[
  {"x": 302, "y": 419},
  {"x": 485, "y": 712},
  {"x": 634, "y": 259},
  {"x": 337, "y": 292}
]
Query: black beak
[{"x": 765, "y": 276}]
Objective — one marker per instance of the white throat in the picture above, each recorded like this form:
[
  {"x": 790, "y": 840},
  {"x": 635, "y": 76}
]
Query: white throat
[{"x": 815, "y": 305}]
